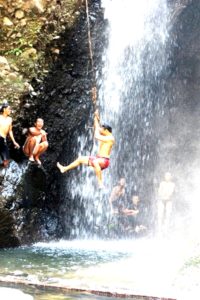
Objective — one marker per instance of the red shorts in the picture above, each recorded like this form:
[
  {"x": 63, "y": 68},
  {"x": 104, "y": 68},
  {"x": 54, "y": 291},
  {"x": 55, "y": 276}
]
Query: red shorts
[{"x": 102, "y": 161}]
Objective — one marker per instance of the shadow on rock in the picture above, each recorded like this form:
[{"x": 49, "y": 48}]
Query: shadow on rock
[{"x": 7, "y": 231}]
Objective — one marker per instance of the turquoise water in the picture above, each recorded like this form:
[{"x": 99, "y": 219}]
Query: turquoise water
[
  {"x": 51, "y": 262},
  {"x": 165, "y": 268}
]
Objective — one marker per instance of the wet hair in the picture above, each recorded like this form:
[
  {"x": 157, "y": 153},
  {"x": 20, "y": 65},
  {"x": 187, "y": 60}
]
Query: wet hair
[
  {"x": 106, "y": 126},
  {"x": 3, "y": 106}
]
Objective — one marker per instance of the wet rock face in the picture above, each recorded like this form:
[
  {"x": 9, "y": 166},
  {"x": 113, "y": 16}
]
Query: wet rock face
[
  {"x": 23, "y": 188},
  {"x": 8, "y": 236},
  {"x": 30, "y": 194}
]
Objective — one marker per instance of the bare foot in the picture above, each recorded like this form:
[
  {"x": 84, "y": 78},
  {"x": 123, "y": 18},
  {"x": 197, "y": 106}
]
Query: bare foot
[
  {"x": 38, "y": 161},
  {"x": 31, "y": 159},
  {"x": 60, "y": 167}
]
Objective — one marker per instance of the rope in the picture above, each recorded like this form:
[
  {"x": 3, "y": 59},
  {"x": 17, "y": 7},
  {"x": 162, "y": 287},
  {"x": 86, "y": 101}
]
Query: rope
[{"x": 94, "y": 89}]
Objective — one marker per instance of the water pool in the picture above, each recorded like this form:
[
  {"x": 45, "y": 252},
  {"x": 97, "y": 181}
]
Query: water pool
[{"x": 153, "y": 268}]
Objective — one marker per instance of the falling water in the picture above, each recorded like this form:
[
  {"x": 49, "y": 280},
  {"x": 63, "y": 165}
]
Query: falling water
[
  {"x": 135, "y": 99},
  {"x": 131, "y": 95},
  {"x": 132, "y": 90}
]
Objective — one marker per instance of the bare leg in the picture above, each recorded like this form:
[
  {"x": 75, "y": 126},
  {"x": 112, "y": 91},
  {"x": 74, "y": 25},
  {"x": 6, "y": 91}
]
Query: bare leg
[
  {"x": 161, "y": 209},
  {"x": 29, "y": 148},
  {"x": 38, "y": 150},
  {"x": 98, "y": 172},
  {"x": 82, "y": 160},
  {"x": 168, "y": 214}
]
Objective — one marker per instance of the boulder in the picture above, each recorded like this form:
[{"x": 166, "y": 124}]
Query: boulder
[
  {"x": 19, "y": 14},
  {"x": 37, "y": 6},
  {"x": 29, "y": 53},
  {"x": 4, "y": 65},
  {"x": 7, "y": 22}
]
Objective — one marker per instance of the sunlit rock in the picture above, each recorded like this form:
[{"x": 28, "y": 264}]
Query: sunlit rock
[
  {"x": 23, "y": 22},
  {"x": 38, "y": 6},
  {"x": 4, "y": 73},
  {"x": 29, "y": 53},
  {"x": 55, "y": 50},
  {"x": 12, "y": 76},
  {"x": 4, "y": 65},
  {"x": 18, "y": 3},
  {"x": 7, "y": 22},
  {"x": 19, "y": 14}
]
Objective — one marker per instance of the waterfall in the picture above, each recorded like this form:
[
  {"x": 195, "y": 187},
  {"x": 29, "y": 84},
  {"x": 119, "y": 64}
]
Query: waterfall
[
  {"x": 133, "y": 88},
  {"x": 131, "y": 95},
  {"x": 135, "y": 99}
]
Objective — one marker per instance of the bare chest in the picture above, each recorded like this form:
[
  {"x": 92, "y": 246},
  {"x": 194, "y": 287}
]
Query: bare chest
[{"x": 4, "y": 125}]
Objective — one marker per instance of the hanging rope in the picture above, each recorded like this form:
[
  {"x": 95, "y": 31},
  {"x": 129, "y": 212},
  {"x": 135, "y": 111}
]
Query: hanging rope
[{"x": 94, "y": 89}]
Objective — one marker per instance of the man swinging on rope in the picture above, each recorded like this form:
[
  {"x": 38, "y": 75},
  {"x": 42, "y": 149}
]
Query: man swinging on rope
[{"x": 102, "y": 160}]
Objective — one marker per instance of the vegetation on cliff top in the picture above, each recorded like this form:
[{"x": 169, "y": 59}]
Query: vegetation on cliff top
[{"x": 30, "y": 41}]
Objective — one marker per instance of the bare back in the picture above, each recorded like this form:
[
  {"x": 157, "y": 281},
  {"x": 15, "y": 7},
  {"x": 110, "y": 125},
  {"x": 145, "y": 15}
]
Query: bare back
[{"x": 5, "y": 125}]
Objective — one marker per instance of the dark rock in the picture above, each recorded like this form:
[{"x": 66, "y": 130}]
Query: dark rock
[{"x": 8, "y": 234}]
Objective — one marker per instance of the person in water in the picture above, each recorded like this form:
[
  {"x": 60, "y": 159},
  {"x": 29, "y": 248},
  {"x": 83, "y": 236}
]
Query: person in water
[
  {"x": 116, "y": 199},
  {"x": 6, "y": 129},
  {"x": 36, "y": 142},
  {"x": 133, "y": 210},
  {"x": 102, "y": 160},
  {"x": 165, "y": 193}
]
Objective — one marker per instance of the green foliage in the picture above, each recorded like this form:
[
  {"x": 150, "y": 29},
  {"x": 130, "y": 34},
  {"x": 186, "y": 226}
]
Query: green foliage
[{"x": 16, "y": 51}]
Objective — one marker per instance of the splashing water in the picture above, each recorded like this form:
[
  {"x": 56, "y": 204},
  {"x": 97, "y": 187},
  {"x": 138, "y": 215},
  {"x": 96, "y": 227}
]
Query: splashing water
[
  {"x": 134, "y": 99},
  {"x": 134, "y": 67},
  {"x": 142, "y": 267}
]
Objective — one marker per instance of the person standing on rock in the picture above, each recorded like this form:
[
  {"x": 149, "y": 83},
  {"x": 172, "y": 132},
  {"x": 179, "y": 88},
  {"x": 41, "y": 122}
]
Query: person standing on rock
[
  {"x": 102, "y": 160},
  {"x": 5, "y": 130},
  {"x": 36, "y": 142}
]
